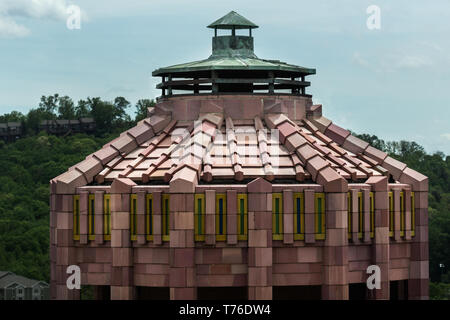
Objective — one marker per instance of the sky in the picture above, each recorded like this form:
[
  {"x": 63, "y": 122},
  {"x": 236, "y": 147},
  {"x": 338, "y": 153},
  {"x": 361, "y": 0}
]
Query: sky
[{"x": 392, "y": 81}]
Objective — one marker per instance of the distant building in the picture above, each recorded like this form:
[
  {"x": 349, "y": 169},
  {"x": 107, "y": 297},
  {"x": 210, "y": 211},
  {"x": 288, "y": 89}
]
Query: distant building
[
  {"x": 64, "y": 126},
  {"x": 14, "y": 287},
  {"x": 10, "y": 131}
]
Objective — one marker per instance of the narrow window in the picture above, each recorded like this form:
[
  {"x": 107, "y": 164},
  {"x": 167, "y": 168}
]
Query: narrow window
[
  {"x": 199, "y": 218},
  {"x": 320, "y": 215},
  {"x": 360, "y": 216},
  {"x": 277, "y": 216},
  {"x": 133, "y": 217},
  {"x": 107, "y": 217},
  {"x": 299, "y": 216},
  {"x": 76, "y": 217},
  {"x": 221, "y": 211},
  {"x": 149, "y": 217},
  {"x": 391, "y": 214},
  {"x": 165, "y": 224},
  {"x": 242, "y": 216},
  {"x": 413, "y": 215},
  {"x": 349, "y": 215},
  {"x": 91, "y": 217},
  {"x": 372, "y": 215}
]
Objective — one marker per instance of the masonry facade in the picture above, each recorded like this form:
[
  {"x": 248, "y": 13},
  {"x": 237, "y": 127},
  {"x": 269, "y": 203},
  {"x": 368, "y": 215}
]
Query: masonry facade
[{"x": 239, "y": 195}]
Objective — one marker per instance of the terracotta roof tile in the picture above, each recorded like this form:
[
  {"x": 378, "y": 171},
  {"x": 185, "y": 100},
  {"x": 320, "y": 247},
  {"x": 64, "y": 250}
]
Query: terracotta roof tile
[
  {"x": 141, "y": 132},
  {"x": 236, "y": 149},
  {"x": 336, "y": 133},
  {"x": 321, "y": 123},
  {"x": 306, "y": 152},
  {"x": 286, "y": 129},
  {"x": 355, "y": 144},
  {"x": 158, "y": 123},
  {"x": 394, "y": 167},
  {"x": 125, "y": 143},
  {"x": 375, "y": 154},
  {"x": 105, "y": 155}
]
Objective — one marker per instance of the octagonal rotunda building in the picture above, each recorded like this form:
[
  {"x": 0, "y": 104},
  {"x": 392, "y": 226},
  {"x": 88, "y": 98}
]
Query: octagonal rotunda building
[{"x": 237, "y": 187}]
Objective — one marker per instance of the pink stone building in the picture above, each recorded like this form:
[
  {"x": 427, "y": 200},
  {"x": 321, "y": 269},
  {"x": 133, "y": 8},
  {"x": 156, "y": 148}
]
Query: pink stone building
[{"x": 236, "y": 186}]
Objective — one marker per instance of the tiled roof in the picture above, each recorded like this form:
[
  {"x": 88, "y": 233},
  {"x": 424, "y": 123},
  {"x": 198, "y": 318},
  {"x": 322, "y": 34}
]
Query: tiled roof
[
  {"x": 11, "y": 278},
  {"x": 214, "y": 148},
  {"x": 238, "y": 150}
]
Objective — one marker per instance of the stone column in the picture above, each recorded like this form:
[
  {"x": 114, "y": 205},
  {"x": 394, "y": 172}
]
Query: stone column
[
  {"x": 355, "y": 215},
  {"x": 259, "y": 239},
  {"x": 380, "y": 247},
  {"x": 288, "y": 217},
  {"x": 141, "y": 217},
  {"x": 396, "y": 195},
  {"x": 98, "y": 217},
  {"x": 62, "y": 250},
  {"x": 122, "y": 286},
  {"x": 310, "y": 233},
  {"x": 335, "y": 250},
  {"x": 182, "y": 271},
  {"x": 232, "y": 217},
  {"x": 419, "y": 274},
  {"x": 419, "y": 262},
  {"x": 210, "y": 217}
]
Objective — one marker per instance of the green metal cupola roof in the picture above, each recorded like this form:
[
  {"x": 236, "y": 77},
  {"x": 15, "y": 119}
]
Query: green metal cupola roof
[
  {"x": 232, "y": 20},
  {"x": 233, "y": 67}
]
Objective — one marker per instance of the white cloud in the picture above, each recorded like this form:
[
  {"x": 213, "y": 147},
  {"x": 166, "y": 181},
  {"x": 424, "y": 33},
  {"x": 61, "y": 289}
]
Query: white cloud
[
  {"x": 413, "y": 62},
  {"x": 360, "y": 60},
  {"x": 37, "y": 9},
  {"x": 391, "y": 62},
  {"x": 29, "y": 9},
  {"x": 10, "y": 29},
  {"x": 446, "y": 136}
]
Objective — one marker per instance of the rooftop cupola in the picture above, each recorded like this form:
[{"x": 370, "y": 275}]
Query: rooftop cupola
[
  {"x": 232, "y": 45},
  {"x": 233, "y": 67}
]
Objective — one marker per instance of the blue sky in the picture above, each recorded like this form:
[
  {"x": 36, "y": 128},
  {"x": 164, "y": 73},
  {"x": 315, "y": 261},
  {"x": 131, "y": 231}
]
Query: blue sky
[{"x": 392, "y": 82}]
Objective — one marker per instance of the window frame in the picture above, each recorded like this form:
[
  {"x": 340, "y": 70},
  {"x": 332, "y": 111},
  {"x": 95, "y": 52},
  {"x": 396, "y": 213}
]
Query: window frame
[
  {"x": 165, "y": 206},
  {"x": 299, "y": 235},
  {"x": 199, "y": 231},
  {"x": 223, "y": 236},
  {"x": 319, "y": 235},
  {"x": 242, "y": 216},
  {"x": 277, "y": 220},
  {"x": 133, "y": 217},
  {"x": 149, "y": 217},
  {"x": 107, "y": 217},
  {"x": 91, "y": 216},
  {"x": 76, "y": 217}
]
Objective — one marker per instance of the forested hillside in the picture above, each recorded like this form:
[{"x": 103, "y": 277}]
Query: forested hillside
[{"x": 28, "y": 164}]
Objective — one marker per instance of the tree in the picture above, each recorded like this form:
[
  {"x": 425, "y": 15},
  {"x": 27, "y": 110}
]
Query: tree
[
  {"x": 49, "y": 104},
  {"x": 66, "y": 108},
  {"x": 121, "y": 117},
  {"x": 142, "y": 108},
  {"x": 82, "y": 110},
  {"x": 103, "y": 113},
  {"x": 14, "y": 116},
  {"x": 34, "y": 118}
]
